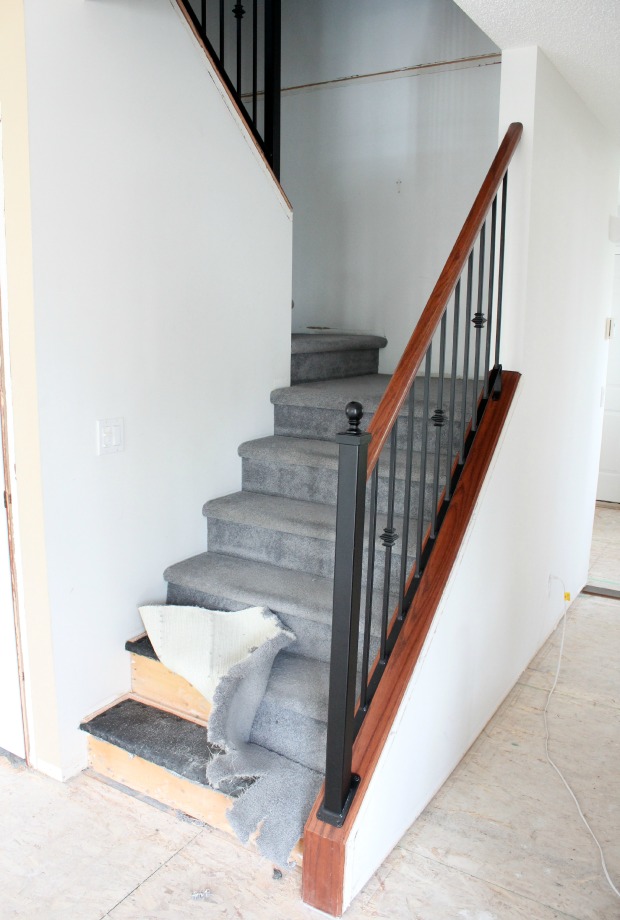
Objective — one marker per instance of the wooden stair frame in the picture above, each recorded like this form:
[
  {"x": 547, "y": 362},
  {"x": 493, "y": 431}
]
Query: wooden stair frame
[
  {"x": 154, "y": 684},
  {"x": 325, "y": 845}
]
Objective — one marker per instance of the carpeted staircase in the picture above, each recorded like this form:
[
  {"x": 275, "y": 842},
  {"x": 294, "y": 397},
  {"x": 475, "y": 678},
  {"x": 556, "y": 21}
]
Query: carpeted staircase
[{"x": 271, "y": 544}]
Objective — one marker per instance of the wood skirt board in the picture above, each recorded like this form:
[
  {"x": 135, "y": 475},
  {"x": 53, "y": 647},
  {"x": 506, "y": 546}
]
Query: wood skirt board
[{"x": 154, "y": 682}]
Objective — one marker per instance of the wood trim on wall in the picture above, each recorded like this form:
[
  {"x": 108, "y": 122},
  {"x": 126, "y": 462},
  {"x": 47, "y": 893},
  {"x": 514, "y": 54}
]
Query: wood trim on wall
[
  {"x": 8, "y": 499},
  {"x": 324, "y": 845}
]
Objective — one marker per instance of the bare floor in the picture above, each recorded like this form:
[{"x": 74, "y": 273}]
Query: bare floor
[{"x": 501, "y": 840}]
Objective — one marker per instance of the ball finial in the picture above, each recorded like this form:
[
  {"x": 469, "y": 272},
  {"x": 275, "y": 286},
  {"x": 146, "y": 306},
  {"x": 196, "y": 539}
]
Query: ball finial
[{"x": 354, "y": 413}]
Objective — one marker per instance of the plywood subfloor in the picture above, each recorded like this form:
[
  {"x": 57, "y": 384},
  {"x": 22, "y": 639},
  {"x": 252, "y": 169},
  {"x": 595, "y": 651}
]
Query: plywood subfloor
[{"x": 500, "y": 841}]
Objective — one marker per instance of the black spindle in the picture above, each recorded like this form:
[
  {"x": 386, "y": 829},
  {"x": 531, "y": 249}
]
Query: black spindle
[
  {"x": 254, "y": 59},
  {"x": 478, "y": 321},
  {"x": 452, "y": 409},
  {"x": 272, "y": 83},
  {"x": 203, "y": 16},
  {"x": 470, "y": 271},
  {"x": 500, "y": 273},
  {"x": 423, "y": 458},
  {"x": 370, "y": 580},
  {"x": 222, "y": 33},
  {"x": 487, "y": 351},
  {"x": 406, "y": 503},
  {"x": 438, "y": 419},
  {"x": 388, "y": 538},
  {"x": 239, "y": 12}
]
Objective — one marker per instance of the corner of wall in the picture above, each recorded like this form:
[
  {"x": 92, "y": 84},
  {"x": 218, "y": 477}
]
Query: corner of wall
[{"x": 36, "y": 638}]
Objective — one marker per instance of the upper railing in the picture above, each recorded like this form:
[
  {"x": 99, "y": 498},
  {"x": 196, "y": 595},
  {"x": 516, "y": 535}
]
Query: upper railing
[
  {"x": 405, "y": 468},
  {"x": 245, "y": 47}
]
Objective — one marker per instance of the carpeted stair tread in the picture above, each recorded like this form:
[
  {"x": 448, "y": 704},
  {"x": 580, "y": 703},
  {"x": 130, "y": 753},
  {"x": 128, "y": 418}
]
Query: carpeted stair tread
[
  {"x": 294, "y": 534},
  {"x": 141, "y": 646},
  {"x": 272, "y": 512},
  {"x": 302, "y": 601},
  {"x": 334, "y": 393},
  {"x": 316, "y": 342},
  {"x": 178, "y": 745},
  {"x": 292, "y": 717},
  {"x": 317, "y": 409},
  {"x": 299, "y": 684},
  {"x": 291, "y": 451},
  {"x": 333, "y": 355},
  {"x": 285, "y": 451},
  {"x": 245, "y": 583}
]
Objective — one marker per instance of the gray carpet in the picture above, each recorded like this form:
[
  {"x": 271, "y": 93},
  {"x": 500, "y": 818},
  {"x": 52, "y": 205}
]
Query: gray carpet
[{"x": 279, "y": 800}]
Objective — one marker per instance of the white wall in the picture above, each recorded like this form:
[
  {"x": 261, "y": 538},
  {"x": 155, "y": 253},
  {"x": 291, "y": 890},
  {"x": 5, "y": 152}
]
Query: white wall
[
  {"x": 609, "y": 473},
  {"x": 533, "y": 520},
  {"x": 381, "y": 173},
  {"x": 162, "y": 265}
]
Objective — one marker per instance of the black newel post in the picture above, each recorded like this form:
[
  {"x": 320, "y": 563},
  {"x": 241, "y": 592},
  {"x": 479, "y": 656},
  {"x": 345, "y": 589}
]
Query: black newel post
[{"x": 340, "y": 784}]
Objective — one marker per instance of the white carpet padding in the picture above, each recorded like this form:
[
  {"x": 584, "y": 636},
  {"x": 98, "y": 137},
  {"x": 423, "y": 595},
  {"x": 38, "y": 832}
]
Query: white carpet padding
[
  {"x": 228, "y": 657},
  {"x": 203, "y": 645}
]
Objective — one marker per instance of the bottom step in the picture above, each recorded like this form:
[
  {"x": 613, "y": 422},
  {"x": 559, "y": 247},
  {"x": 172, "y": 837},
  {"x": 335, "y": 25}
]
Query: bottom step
[
  {"x": 160, "y": 755},
  {"x": 163, "y": 756}
]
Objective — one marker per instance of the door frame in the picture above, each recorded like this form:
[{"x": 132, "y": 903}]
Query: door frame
[{"x": 8, "y": 467}]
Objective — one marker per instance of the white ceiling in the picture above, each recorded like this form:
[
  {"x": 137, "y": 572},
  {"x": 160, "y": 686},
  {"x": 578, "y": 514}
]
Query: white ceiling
[{"x": 581, "y": 37}]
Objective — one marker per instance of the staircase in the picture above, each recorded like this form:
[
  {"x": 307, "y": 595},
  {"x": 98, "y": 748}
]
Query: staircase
[{"x": 271, "y": 544}]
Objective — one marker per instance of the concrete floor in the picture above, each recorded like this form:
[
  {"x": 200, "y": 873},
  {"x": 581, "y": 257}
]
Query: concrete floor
[{"x": 501, "y": 840}]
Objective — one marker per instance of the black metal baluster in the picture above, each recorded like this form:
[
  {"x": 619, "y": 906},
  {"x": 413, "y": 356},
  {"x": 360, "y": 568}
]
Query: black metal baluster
[
  {"x": 370, "y": 581},
  {"x": 203, "y": 16},
  {"x": 254, "y": 59},
  {"x": 452, "y": 409},
  {"x": 487, "y": 353},
  {"x": 340, "y": 784},
  {"x": 478, "y": 321},
  {"x": 406, "y": 503},
  {"x": 388, "y": 538},
  {"x": 239, "y": 12},
  {"x": 222, "y": 35},
  {"x": 500, "y": 273},
  {"x": 438, "y": 419},
  {"x": 470, "y": 270},
  {"x": 423, "y": 458},
  {"x": 272, "y": 83}
]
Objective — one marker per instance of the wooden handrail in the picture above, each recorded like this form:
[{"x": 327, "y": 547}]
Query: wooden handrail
[{"x": 413, "y": 355}]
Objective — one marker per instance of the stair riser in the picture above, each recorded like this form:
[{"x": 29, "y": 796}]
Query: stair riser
[
  {"x": 325, "y": 365},
  {"x": 313, "y": 639},
  {"x": 293, "y": 735},
  {"x": 320, "y": 485},
  {"x": 290, "y": 551},
  {"x": 324, "y": 424},
  {"x": 160, "y": 784}
]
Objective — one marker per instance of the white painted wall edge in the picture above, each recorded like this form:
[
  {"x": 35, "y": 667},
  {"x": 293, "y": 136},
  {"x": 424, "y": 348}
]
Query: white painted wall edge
[{"x": 232, "y": 109}]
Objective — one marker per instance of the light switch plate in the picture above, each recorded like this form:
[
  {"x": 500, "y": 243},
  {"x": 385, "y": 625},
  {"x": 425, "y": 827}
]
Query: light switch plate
[{"x": 110, "y": 435}]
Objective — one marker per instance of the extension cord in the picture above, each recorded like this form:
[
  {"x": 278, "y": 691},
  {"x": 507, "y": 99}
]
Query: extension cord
[{"x": 553, "y": 764}]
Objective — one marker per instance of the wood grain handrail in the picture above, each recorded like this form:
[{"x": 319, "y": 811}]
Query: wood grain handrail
[{"x": 413, "y": 355}]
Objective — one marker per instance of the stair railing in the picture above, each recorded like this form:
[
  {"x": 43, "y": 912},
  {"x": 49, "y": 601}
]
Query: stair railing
[
  {"x": 248, "y": 60},
  {"x": 426, "y": 440}
]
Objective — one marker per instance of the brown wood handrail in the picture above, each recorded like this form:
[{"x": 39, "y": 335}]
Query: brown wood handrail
[{"x": 413, "y": 355}]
